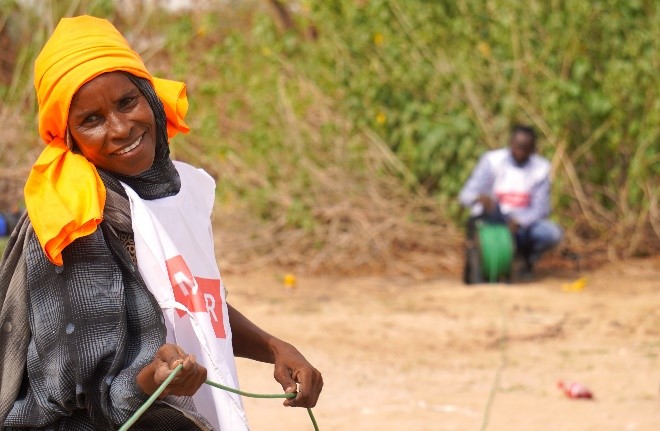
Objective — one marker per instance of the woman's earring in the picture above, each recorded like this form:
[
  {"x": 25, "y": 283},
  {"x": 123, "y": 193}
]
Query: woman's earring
[{"x": 69, "y": 140}]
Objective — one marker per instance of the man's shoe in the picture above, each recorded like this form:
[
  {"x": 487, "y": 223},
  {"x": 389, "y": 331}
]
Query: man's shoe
[{"x": 525, "y": 271}]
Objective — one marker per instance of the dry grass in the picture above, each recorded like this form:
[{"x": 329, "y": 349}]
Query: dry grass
[
  {"x": 363, "y": 212},
  {"x": 357, "y": 231}
]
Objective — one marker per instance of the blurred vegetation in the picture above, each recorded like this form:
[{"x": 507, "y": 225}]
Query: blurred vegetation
[
  {"x": 340, "y": 132},
  {"x": 443, "y": 81}
]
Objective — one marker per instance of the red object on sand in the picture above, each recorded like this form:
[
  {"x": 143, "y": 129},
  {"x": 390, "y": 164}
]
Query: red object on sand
[{"x": 575, "y": 390}]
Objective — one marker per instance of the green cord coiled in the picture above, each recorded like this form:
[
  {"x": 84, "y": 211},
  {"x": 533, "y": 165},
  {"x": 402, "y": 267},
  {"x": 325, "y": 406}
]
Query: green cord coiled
[
  {"x": 496, "y": 250},
  {"x": 174, "y": 372}
]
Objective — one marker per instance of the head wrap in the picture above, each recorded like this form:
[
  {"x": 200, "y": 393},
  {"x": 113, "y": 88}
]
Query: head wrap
[{"x": 64, "y": 194}]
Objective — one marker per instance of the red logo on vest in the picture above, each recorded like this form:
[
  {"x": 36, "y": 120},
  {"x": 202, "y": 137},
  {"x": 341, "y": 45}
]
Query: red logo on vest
[
  {"x": 514, "y": 199},
  {"x": 197, "y": 294}
]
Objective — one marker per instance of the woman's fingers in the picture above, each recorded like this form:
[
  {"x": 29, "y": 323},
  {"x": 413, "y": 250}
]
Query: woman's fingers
[
  {"x": 162, "y": 372},
  {"x": 296, "y": 374},
  {"x": 309, "y": 388},
  {"x": 197, "y": 380},
  {"x": 188, "y": 380}
]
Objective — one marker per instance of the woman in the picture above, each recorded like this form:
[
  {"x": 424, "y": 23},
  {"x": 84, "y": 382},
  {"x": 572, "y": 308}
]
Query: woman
[{"x": 112, "y": 271}]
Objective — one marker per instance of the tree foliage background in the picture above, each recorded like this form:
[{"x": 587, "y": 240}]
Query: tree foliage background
[{"x": 340, "y": 132}]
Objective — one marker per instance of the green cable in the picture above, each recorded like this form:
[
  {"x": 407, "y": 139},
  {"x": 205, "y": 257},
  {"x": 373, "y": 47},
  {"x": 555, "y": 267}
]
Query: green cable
[
  {"x": 311, "y": 416},
  {"x": 496, "y": 246},
  {"x": 174, "y": 372},
  {"x": 249, "y": 394},
  {"x": 253, "y": 395},
  {"x": 151, "y": 399}
]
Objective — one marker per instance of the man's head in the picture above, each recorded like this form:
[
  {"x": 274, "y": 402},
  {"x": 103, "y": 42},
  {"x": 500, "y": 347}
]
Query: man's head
[{"x": 523, "y": 143}]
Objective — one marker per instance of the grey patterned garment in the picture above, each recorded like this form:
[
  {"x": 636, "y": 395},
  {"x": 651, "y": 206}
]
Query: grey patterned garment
[{"x": 94, "y": 325}]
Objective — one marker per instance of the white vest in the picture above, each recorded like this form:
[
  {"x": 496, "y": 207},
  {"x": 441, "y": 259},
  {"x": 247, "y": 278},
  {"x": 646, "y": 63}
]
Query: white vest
[
  {"x": 176, "y": 258},
  {"x": 513, "y": 185}
]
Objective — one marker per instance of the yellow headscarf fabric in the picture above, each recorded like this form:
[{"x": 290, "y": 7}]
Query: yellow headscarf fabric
[{"x": 64, "y": 194}]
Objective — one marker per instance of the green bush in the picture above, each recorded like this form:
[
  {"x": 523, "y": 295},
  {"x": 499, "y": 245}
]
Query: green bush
[{"x": 442, "y": 82}]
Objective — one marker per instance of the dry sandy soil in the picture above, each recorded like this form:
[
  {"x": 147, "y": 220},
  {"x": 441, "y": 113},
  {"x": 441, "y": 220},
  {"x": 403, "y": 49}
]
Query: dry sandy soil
[{"x": 403, "y": 355}]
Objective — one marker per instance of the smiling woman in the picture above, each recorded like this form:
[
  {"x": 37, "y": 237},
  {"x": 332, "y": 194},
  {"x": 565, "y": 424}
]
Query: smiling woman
[
  {"x": 112, "y": 124},
  {"x": 110, "y": 281}
]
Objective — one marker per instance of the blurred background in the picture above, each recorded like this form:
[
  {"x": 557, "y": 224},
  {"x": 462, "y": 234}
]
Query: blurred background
[{"x": 340, "y": 133}]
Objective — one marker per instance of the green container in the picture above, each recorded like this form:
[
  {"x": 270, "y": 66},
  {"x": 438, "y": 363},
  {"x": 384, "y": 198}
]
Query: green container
[{"x": 496, "y": 245}]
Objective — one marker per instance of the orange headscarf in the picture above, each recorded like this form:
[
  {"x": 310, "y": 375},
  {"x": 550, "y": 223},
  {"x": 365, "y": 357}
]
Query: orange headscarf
[{"x": 64, "y": 194}]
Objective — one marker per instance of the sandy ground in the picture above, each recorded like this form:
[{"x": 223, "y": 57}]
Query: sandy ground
[{"x": 403, "y": 355}]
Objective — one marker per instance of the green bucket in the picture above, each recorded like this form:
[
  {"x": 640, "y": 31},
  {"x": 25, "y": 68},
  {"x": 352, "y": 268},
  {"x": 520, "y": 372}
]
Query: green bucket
[{"x": 496, "y": 245}]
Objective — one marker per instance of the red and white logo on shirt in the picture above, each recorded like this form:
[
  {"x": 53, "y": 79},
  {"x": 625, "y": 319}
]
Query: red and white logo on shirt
[
  {"x": 514, "y": 199},
  {"x": 197, "y": 294}
]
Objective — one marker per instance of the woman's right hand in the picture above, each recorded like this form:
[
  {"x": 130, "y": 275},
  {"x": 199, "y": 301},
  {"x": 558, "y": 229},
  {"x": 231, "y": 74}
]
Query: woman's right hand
[{"x": 167, "y": 358}]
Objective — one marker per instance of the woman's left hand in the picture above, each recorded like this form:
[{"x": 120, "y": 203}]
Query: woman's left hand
[
  {"x": 292, "y": 370},
  {"x": 296, "y": 374}
]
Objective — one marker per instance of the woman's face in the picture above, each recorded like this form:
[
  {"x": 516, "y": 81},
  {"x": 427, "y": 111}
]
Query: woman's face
[{"x": 113, "y": 125}]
